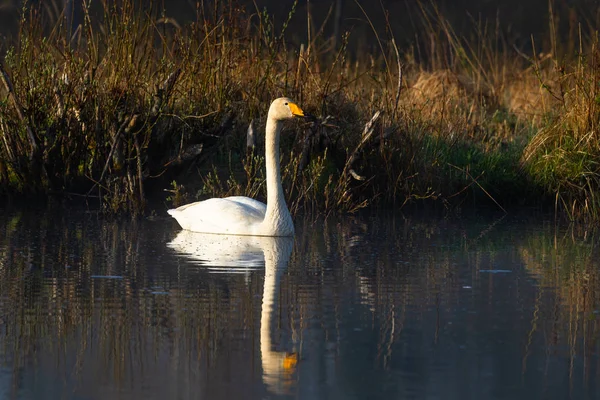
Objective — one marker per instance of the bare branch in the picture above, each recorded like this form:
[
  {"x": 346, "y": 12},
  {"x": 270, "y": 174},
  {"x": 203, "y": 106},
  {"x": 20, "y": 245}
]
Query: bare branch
[{"x": 366, "y": 135}]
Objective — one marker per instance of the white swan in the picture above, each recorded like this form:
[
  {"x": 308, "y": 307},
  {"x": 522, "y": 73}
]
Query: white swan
[{"x": 238, "y": 215}]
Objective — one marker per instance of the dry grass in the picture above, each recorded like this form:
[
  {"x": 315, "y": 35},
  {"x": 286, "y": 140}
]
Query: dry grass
[
  {"x": 444, "y": 95},
  {"x": 564, "y": 154},
  {"x": 529, "y": 95},
  {"x": 134, "y": 102}
]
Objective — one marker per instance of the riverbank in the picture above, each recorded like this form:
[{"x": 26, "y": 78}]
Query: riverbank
[{"x": 134, "y": 106}]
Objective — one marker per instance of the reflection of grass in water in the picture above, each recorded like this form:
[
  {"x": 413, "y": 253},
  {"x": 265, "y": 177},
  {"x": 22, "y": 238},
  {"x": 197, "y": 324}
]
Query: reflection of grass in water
[
  {"x": 201, "y": 321},
  {"x": 566, "y": 267},
  {"x": 393, "y": 291},
  {"x": 47, "y": 305}
]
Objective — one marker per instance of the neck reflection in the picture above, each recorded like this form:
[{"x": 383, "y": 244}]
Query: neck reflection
[{"x": 224, "y": 253}]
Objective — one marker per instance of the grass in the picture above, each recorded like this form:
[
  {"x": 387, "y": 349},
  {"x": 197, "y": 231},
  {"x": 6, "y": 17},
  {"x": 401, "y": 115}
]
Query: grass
[
  {"x": 134, "y": 106},
  {"x": 563, "y": 156}
]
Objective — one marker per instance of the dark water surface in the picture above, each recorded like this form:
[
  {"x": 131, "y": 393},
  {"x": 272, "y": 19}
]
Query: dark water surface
[{"x": 379, "y": 307}]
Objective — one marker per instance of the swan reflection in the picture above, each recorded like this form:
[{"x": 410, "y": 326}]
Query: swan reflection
[{"x": 223, "y": 253}]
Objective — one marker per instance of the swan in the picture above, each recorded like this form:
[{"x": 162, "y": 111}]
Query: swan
[{"x": 239, "y": 215}]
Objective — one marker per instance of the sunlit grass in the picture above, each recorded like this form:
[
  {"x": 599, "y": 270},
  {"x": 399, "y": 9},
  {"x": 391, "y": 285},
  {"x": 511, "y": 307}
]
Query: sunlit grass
[{"x": 133, "y": 103}]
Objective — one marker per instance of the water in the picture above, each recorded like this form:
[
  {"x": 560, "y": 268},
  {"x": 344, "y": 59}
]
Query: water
[{"x": 377, "y": 307}]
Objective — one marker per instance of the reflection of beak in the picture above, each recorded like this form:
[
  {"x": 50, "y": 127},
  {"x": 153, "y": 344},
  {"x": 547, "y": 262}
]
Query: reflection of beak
[
  {"x": 296, "y": 111},
  {"x": 289, "y": 362}
]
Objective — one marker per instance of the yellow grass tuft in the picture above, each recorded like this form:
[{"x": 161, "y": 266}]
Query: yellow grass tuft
[{"x": 448, "y": 96}]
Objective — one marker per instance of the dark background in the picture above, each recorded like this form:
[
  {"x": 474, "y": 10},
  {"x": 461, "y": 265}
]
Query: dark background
[{"x": 515, "y": 21}]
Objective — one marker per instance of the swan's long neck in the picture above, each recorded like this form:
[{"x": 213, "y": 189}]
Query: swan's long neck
[
  {"x": 277, "y": 216},
  {"x": 277, "y": 366},
  {"x": 270, "y": 358}
]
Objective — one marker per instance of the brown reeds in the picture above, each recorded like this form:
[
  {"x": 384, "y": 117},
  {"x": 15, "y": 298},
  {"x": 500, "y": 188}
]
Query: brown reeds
[
  {"x": 133, "y": 103},
  {"x": 564, "y": 155}
]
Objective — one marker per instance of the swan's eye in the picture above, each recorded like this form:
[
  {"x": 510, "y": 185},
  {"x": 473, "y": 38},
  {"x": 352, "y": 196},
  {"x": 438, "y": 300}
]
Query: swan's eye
[{"x": 287, "y": 104}]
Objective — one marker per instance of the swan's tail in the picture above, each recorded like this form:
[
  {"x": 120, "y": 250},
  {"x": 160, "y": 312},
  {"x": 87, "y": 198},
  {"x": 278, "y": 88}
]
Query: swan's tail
[{"x": 175, "y": 213}]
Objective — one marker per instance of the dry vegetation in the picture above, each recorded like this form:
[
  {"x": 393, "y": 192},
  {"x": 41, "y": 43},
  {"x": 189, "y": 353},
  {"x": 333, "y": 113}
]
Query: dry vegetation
[{"x": 133, "y": 103}]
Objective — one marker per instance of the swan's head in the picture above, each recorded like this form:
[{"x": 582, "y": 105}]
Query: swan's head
[{"x": 284, "y": 108}]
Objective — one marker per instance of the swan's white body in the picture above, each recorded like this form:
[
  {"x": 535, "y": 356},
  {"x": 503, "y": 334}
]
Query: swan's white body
[{"x": 238, "y": 215}]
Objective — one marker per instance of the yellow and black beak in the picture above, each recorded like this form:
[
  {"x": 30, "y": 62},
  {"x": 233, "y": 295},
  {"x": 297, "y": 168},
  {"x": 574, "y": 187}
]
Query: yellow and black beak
[{"x": 296, "y": 111}]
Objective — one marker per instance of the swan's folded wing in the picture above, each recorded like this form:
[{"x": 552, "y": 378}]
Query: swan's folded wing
[{"x": 231, "y": 215}]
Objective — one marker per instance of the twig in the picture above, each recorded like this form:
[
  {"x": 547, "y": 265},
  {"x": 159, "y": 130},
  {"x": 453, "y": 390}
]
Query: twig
[
  {"x": 8, "y": 148},
  {"x": 112, "y": 150},
  {"x": 306, "y": 144},
  {"x": 355, "y": 175},
  {"x": 387, "y": 66},
  {"x": 13, "y": 98},
  {"x": 189, "y": 153},
  {"x": 400, "y": 76},
  {"x": 466, "y": 187},
  {"x": 140, "y": 177},
  {"x": 163, "y": 93},
  {"x": 367, "y": 133},
  {"x": 480, "y": 187},
  {"x": 65, "y": 193}
]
